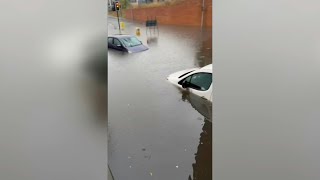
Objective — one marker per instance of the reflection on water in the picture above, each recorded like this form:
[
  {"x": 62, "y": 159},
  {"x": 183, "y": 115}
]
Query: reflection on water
[
  {"x": 204, "y": 107},
  {"x": 202, "y": 168},
  {"x": 204, "y": 55},
  {"x": 152, "y": 40}
]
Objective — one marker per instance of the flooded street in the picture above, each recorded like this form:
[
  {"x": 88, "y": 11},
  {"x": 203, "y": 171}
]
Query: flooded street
[{"x": 154, "y": 130}]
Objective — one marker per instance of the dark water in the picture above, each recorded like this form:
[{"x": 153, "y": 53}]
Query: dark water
[{"x": 154, "y": 130}]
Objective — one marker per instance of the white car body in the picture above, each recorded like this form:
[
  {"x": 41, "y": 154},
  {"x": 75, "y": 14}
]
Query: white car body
[{"x": 180, "y": 76}]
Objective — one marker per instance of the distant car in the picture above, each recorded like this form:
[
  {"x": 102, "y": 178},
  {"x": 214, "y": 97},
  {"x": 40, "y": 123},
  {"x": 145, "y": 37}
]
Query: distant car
[
  {"x": 126, "y": 43},
  {"x": 196, "y": 80}
]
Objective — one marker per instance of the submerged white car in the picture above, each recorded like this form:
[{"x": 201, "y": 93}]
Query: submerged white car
[{"x": 196, "y": 80}]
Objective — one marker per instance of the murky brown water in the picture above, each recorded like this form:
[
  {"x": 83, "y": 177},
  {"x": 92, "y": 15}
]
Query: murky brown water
[{"x": 154, "y": 131}]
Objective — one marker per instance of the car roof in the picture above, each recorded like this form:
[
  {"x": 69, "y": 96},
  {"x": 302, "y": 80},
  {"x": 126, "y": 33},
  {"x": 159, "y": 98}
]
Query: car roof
[
  {"x": 209, "y": 67},
  {"x": 121, "y": 35}
]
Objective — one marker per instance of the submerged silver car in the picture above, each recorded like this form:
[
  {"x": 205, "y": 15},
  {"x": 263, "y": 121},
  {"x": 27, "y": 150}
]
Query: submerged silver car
[{"x": 126, "y": 43}]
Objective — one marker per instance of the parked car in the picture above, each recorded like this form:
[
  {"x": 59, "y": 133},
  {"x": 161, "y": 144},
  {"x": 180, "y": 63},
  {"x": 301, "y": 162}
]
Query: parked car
[
  {"x": 196, "y": 80},
  {"x": 126, "y": 43}
]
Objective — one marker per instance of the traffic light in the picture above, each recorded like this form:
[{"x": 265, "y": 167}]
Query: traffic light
[{"x": 118, "y": 6}]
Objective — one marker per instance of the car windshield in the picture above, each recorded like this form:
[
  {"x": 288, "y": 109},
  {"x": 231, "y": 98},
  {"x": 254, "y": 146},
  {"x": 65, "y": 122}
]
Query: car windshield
[{"x": 131, "y": 41}]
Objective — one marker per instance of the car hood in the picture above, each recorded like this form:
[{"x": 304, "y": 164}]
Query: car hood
[
  {"x": 174, "y": 77},
  {"x": 139, "y": 48}
]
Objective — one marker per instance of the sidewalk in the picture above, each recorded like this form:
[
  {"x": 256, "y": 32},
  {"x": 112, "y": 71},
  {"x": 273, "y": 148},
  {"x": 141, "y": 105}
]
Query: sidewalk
[{"x": 120, "y": 18}]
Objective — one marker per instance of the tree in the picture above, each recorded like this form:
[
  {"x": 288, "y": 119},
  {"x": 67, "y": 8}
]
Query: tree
[{"x": 125, "y": 4}]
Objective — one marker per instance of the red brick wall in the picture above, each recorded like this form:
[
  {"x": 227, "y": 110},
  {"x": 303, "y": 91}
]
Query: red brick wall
[{"x": 185, "y": 13}]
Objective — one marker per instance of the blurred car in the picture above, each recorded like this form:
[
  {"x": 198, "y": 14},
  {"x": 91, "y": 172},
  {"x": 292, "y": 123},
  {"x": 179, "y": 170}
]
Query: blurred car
[
  {"x": 126, "y": 43},
  {"x": 196, "y": 80}
]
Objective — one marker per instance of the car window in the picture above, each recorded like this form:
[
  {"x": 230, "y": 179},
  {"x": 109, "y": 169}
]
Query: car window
[
  {"x": 110, "y": 40},
  {"x": 187, "y": 79},
  {"x": 131, "y": 41},
  {"x": 116, "y": 42},
  {"x": 200, "y": 81}
]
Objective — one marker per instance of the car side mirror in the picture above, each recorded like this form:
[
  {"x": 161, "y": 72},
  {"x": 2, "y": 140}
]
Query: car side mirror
[{"x": 185, "y": 84}]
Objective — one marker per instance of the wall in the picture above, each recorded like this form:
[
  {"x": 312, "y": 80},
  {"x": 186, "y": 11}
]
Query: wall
[{"x": 186, "y": 13}]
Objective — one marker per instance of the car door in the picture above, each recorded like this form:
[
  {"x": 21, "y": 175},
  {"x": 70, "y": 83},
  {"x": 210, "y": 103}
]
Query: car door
[
  {"x": 110, "y": 42},
  {"x": 117, "y": 44},
  {"x": 200, "y": 83}
]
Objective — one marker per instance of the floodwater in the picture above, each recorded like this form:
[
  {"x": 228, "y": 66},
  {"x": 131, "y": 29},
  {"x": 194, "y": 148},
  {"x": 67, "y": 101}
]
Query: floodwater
[{"x": 154, "y": 130}]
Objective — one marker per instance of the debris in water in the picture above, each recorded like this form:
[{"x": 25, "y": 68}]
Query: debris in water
[
  {"x": 150, "y": 173},
  {"x": 130, "y": 166},
  {"x": 143, "y": 149},
  {"x": 129, "y": 157},
  {"x": 185, "y": 149},
  {"x": 177, "y": 166}
]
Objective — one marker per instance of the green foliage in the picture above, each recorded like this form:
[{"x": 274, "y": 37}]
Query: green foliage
[{"x": 125, "y": 4}]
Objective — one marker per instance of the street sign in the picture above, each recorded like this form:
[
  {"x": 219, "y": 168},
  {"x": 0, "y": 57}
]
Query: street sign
[{"x": 152, "y": 24}]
